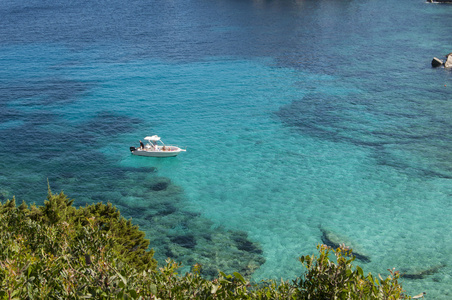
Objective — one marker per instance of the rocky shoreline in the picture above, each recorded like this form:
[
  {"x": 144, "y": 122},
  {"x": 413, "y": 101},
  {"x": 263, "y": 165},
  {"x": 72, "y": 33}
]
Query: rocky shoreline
[
  {"x": 440, "y": 1},
  {"x": 436, "y": 62}
]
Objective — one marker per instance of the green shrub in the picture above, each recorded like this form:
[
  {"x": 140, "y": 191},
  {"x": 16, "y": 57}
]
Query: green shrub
[
  {"x": 325, "y": 279},
  {"x": 59, "y": 252}
]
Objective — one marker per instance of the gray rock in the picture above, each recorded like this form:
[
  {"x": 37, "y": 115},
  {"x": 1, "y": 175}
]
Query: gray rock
[
  {"x": 436, "y": 62},
  {"x": 448, "y": 63}
]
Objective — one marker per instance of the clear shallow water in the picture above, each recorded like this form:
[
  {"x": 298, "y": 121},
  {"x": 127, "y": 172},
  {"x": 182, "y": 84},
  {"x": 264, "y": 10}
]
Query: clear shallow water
[{"x": 297, "y": 117}]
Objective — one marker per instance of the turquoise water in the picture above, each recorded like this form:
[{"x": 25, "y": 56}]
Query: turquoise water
[{"x": 297, "y": 117}]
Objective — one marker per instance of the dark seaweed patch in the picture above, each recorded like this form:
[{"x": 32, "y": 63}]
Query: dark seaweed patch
[
  {"x": 332, "y": 117},
  {"x": 423, "y": 273},
  {"x": 160, "y": 186},
  {"x": 244, "y": 244},
  {"x": 196, "y": 240},
  {"x": 167, "y": 210},
  {"x": 47, "y": 91},
  {"x": 186, "y": 241},
  {"x": 139, "y": 170},
  {"x": 109, "y": 124},
  {"x": 168, "y": 252},
  {"x": 190, "y": 214},
  {"x": 209, "y": 272},
  {"x": 122, "y": 172},
  {"x": 327, "y": 241}
]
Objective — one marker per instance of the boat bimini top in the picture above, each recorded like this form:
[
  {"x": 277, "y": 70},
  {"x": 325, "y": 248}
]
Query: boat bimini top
[{"x": 153, "y": 138}]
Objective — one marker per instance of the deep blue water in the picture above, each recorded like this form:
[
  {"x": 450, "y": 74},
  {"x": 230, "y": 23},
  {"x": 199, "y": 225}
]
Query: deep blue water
[{"x": 298, "y": 117}]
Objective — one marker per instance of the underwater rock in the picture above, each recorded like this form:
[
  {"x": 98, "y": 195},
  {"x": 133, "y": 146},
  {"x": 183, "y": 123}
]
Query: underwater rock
[
  {"x": 422, "y": 273},
  {"x": 197, "y": 241},
  {"x": 333, "y": 240},
  {"x": 186, "y": 236}
]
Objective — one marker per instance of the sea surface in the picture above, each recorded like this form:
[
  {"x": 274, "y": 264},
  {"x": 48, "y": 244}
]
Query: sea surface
[{"x": 303, "y": 120}]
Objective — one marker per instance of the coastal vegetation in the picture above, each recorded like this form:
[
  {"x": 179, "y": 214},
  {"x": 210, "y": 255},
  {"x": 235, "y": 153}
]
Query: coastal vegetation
[{"x": 57, "y": 251}]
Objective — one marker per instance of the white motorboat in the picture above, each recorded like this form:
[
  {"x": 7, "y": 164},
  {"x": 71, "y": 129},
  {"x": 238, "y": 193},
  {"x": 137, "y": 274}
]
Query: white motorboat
[{"x": 156, "y": 148}]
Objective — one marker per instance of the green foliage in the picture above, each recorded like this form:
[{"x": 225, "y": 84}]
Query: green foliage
[
  {"x": 328, "y": 280},
  {"x": 129, "y": 241},
  {"x": 57, "y": 208},
  {"x": 59, "y": 252}
]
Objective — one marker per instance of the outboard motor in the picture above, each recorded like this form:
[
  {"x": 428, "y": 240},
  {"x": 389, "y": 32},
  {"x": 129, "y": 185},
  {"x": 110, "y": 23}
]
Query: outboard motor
[{"x": 132, "y": 149}]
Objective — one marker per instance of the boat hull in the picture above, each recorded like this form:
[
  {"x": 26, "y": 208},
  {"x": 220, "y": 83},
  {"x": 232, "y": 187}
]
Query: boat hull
[{"x": 151, "y": 153}]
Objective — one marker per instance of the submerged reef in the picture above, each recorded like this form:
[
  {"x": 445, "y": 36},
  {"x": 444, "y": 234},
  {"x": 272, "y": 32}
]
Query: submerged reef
[
  {"x": 154, "y": 202},
  {"x": 157, "y": 205},
  {"x": 333, "y": 118},
  {"x": 190, "y": 238}
]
